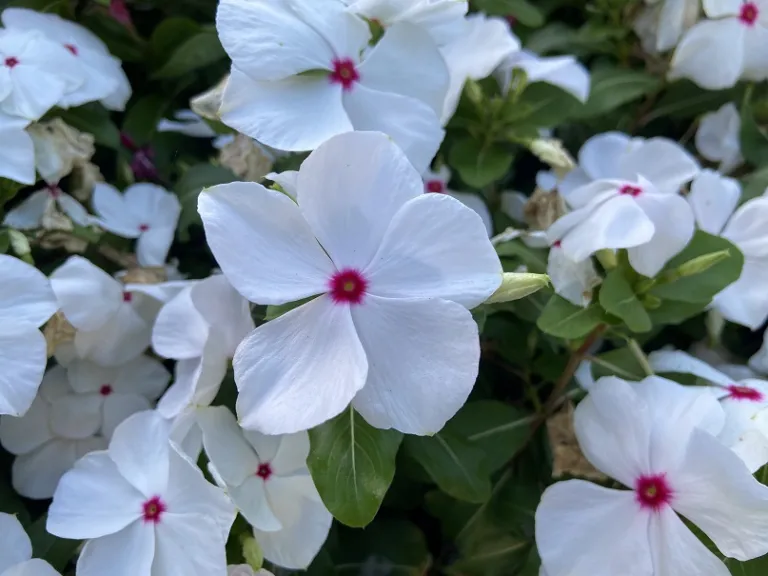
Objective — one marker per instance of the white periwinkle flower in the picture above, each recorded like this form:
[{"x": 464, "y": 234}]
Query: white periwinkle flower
[
  {"x": 31, "y": 212},
  {"x": 17, "y": 154},
  {"x": 565, "y": 72},
  {"x": 142, "y": 507},
  {"x": 662, "y": 22},
  {"x": 145, "y": 211},
  {"x": 16, "y": 551},
  {"x": 26, "y": 303},
  {"x": 744, "y": 401},
  {"x": 728, "y": 46},
  {"x": 437, "y": 183},
  {"x": 574, "y": 281},
  {"x": 656, "y": 438},
  {"x": 394, "y": 271},
  {"x": 302, "y": 73},
  {"x": 103, "y": 76},
  {"x": 718, "y": 137},
  {"x": 268, "y": 481}
]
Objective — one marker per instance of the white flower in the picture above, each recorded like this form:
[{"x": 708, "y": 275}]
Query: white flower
[
  {"x": 395, "y": 271},
  {"x": 188, "y": 123},
  {"x": 661, "y": 23},
  {"x": 728, "y": 46},
  {"x": 574, "y": 281},
  {"x": 655, "y": 437},
  {"x": 745, "y": 402},
  {"x": 718, "y": 137},
  {"x": 713, "y": 198},
  {"x": 103, "y": 75},
  {"x": 562, "y": 71},
  {"x": 16, "y": 551},
  {"x": 142, "y": 507},
  {"x": 301, "y": 74},
  {"x": 26, "y": 303},
  {"x": 442, "y": 19},
  {"x": 474, "y": 54},
  {"x": 17, "y": 155},
  {"x": 35, "y": 73},
  {"x": 31, "y": 212},
  {"x": 268, "y": 481},
  {"x": 437, "y": 183},
  {"x": 145, "y": 211}
]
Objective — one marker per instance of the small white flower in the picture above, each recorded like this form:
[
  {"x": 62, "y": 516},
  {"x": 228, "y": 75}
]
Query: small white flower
[
  {"x": 30, "y": 214},
  {"x": 562, "y": 71},
  {"x": 394, "y": 271},
  {"x": 713, "y": 198},
  {"x": 268, "y": 480},
  {"x": 728, "y": 46},
  {"x": 144, "y": 211},
  {"x": 574, "y": 281},
  {"x": 103, "y": 75},
  {"x": 302, "y": 73},
  {"x": 744, "y": 399},
  {"x": 17, "y": 155},
  {"x": 26, "y": 303},
  {"x": 142, "y": 507},
  {"x": 718, "y": 137},
  {"x": 656, "y": 438},
  {"x": 16, "y": 551},
  {"x": 661, "y": 23},
  {"x": 437, "y": 183}
]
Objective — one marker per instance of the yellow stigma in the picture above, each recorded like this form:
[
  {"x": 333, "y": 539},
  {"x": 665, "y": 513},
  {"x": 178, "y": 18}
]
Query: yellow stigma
[{"x": 349, "y": 286}]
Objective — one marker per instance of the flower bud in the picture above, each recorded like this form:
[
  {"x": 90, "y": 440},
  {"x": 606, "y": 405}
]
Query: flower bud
[
  {"x": 246, "y": 159},
  {"x": 551, "y": 151},
  {"x": 208, "y": 103},
  {"x": 252, "y": 552},
  {"x": 515, "y": 286}
]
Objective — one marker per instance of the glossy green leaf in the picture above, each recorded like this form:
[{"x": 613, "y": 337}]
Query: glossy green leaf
[
  {"x": 94, "y": 119},
  {"x": 617, "y": 297},
  {"x": 754, "y": 138},
  {"x": 565, "y": 320},
  {"x": 201, "y": 50},
  {"x": 188, "y": 188},
  {"x": 614, "y": 87},
  {"x": 479, "y": 166},
  {"x": 352, "y": 464}
]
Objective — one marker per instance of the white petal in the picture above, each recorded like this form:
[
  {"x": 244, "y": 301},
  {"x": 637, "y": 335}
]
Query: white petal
[
  {"x": 87, "y": 295},
  {"x": 298, "y": 113},
  {"x": 225, "y": 310},
  {"x": 673, "y": 221},
  {"x": 113, "y": 212},
  {"x": 299, "y": 370},
  {"x": 349, "y": 190},
  {"x": 711, "y": 54},
  {"x": 717, "y": 138},
  {"x": 123, "y": 337},
  {"x": 263, "y": 244},
  {"x": 662, "y": 162},
  {"x": 435, "y": 248},
  {"x": 513, "y": 205},
  {"x": 140, "y": 448},
  {"x": 752, "y": 448},
  {"x": 720, "y": 8},
  {"x": 713, "y": 199},
  {"x": 76, "y": 417},
  {"x": 476, "y": 203},
  {"x": 755, "y": 48},
  {"x": 29, "y": 214},
  {"x": 250, "y": 497},
  {"x": 34, "y": 567},
  {"x": 576, "y": 178},
  {"x": 292, "y": 453},
  {"x": 93, "y": 500},
  {"x": 745, "y": 301},
  {"x": 573, "y": 281},
  {"x": 730, "y": 506},
  {"x": 747, "y": 230},
  {"x": 268, "y": 41},
  {"x": 600, "y": 156},
  {"x": 225, "y": 445},
  {"x": 154, "y": 244},
  {"x": 153, "y": 205},
  {"x": 187, "y": 545},
  {"x": 143, "y": 376},
  {"x": 404, "y": 390},
  {"x": 562, "y": 71},
  {"x": 683, "y": 363},
  {"x": 128, "y": 552},
  {"x": 17, "y": 156},
  {"x": 21, "y": 435},
  {"x": 15, "y": 546},
  {"x": 26, "y": 296},
  {"x": 22, "y": 360},
  {"x": 196, "y": 382},
  {"x": 413, "y": 125},
  {"x": 72, "y": 208},
  {"x": 675, "y": 549},
  {"x": 37, "y": 474},
  {"x": 287, "y": 180},
  {"x": 344, "y": 32},
  {"x": 180, "y": 331},
  {"x": 118, "y": 407},
  {"x": 613, "y": 517}
]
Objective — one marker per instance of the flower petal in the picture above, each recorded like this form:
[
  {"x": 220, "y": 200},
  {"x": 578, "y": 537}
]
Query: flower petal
[
  {"x": 263, "y": 244},
  {"x": 76, "y": 417},
  {"x": 713, "y": 199},
  {"x": 29, "y": 214},
  {"x": 15, "y": 546},
  {"x": 36, "y": 474},
  {"x": 154, "y": 244},
  {"x": 476, "y": 203},
  {"x": 118, "y": 407},
  {"x": 189, "y": 545},
  {"x": 87, "y": 295},
  {"x": 711, "y": 54},
  {"x": 21, "y": 435},
  {"x": 435, "y": 248},
  {"x": 113, "y": 213},
  {"x": 676, "y": 361},
  {"x": 662, "y": 162},
  {"x": 17, "y": 155},
  {"x": 755, "y": 49},
  {"x": 292, "y": 454},
  {"x": 350, "y": 188},
  {"x": 180, "y": 331},
  {"x": 231, "y": 454},
  {"x": 250, "y": 497},
  {"x": 299, "y": 370},
  {"x": 128, "y": 552},
  {"x": 745, "y": 301},
  {"x": 26, "y": 296},
  {"x": 143, "y": 376},
  {"x": 600, "y": 156},
  {"x": 22, "y": 357},
  {"x": 124, "y": 336},
  {"x": 34, "y": 567}
]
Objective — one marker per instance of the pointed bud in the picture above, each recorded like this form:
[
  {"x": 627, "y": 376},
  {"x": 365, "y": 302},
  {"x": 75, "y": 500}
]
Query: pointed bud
[
  {"x": 252, "y": 552},
  {"x": 20, "y": 245},
  {"x": 515, "y": 286},
  {"x": 700, "y": 264},
  {"x": 551, "y": 151}
]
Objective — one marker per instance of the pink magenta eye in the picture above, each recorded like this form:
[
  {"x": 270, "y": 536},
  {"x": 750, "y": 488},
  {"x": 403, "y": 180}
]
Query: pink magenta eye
[
  {"x": 153, "y": 510},
  {"x": 744, "y": 393},
  {"x": 749, "y": 13},
  {"x": 72, "y": 48},
  {"x": 105, "y": 390},
  {"x": 265, "y": 471},
  {"x": 633, "y": 191},
  {"x": 653, "y": 492},
  {"x": 345, "y": 73},
  {"x": 348, "y": 287},
  {"x": 11, "y": 62},
  {"x": 435, "y": 186}
]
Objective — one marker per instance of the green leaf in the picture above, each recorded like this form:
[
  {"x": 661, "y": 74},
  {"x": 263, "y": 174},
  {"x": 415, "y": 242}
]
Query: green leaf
[
  {"x": 754, "y": 139},
  {"x": 617, "y": 297},
  {"x": 701, "y": 288},
  {"x": 499, "y": 430},
  {"x": 757, "y": 567},
  {"x": 8, "y": 190},
  {"x": 478, "y": 167},
  {"x": 169, "y": 34},
  {"x": 142, "y": 118},
  {"x": 544, "y": 106},
  {"x": 385, "y": 544},
  {"x": 58, "y": 552},
  {"x": 620, "y": 362},
  {"x": 455, "y": 465},
  {"x": 201, "y": 50},
  {"x": 523, "y": 11},
  {"x": 562, "y": 319},
  {"x": 613, "y": 87},
  {"x": 188, "y": 188},
  {"x": 754, "y": 184},
  {"x": 684, "y": 99},
  {"x": 94, "y": 119},
  {"x": 352, "y": 464},
  {"x": 672, "y": 313},
  {"x": 277, "y": 311}
]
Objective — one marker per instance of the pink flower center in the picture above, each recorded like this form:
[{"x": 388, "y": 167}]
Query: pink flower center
[
  {"x": 435, "y": 186},
  {"x": 633, "y": 191},
  {"x": 72, "y": 48},
  {"x": 557, "y": 244},
  {"x": 11, "y": 62},
  {"x": 105, "y": 390},
  {"x": 143, "y": 227},
  {"x": 264, "y": 471},
  {"x": 153, "y": 510},
  {"x": 744, "y": 393},
  {"x": 749, "y": 13},
  {"x": 54, "y": 190},
  {"x": 653, "y": 492},
  {"x": 348, "y": 287},
  {"x": 127, "y": 296},
  {"x": 345, "y": 73}
]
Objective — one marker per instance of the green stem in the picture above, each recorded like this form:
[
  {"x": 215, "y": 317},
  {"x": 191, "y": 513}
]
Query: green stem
[{"x": 640, "y": 356}]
